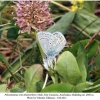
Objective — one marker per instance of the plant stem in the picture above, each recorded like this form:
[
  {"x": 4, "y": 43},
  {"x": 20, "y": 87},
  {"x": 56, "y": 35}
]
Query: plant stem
[
  {"x": 91, "y": 39},
  {"x": 19, "y": 54},
  {"x": 85, "y": 28},
  {"x": 45, "y": 81},
  {"x": 11, "y": 73},
  {"x": 56, "y": 78},
  {"x": 58, "y": 4},
  {"x": 4, "y": 24},
  {"x": 85, "y": 33}
]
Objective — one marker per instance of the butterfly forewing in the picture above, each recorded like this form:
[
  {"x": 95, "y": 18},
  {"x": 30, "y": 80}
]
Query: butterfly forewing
[
  {"x": 44, "y": 39},
  {"x": 52, "y": 44}
]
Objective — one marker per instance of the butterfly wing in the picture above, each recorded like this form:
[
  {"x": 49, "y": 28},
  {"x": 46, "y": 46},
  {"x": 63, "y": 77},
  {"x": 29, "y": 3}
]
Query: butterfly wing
[
  {"x": 58, "y": 43},
  {"x": 52, "y": 44},
  {"x": 44, "y": 39}
]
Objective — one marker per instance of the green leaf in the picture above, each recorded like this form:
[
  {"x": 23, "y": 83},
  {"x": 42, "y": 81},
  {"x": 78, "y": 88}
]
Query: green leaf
[
  {"x": 97, "y": 74},
  {"x": 97, "y": 61},
  {"x": 15, "y": 65},
  {"x": 63, "y": 24},
  {"x": 81, "y": 52},
  {"x": 5, "y": 27},
  {"x": 80, "y": 61},
  {"x": 65, "y": 87},
  {"x": 81, "y": 86},
  {"x": 18, "y": 88},
  {"x": 39, "y": 85},
  {"x": 94, "y": 87},
  {"x": 32, "y": 76},
  {"x": 90, "y": 68},
  {"x": 12, "y": 33},
  {"x": 0, "y": 33},
  {"x": 90, "y": 6},
  {"x": 3, "y": 5},
  {"x": 75, "y": 47},
  {"x": 3, "y": 88},
  {"x": 87, "y": 20},
  {"x": 68, "y": 68},
  {"x": 2, "y": 59},
  {"x": 96, "y": 82},
  {"x": 89, "y": 52},
  {"x": 92, "y": 49}
]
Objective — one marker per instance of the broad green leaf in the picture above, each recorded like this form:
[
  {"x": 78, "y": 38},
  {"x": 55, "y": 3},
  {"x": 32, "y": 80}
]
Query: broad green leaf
[
  {"x": 87, "y": 20},
  {"x": 80, "y": 61},
  {"x": 19, "y": 87},
  {"x": 32, "y": 76},
  {"x": 75, "y": 47},
  {"x": 97, "y": 61},
  {"x": 63, "y": 24},
  {"x": 90, "y": 68},
  {"x": 81, "y": 86},
  {"x": 12, "y": 33},
  {"x": 64, "y": 87},
  {"x": 90, "y": 52},
  {"x": 68, "y": 68},
  {"x": 81, "y": 52},
  {"x": 39, "y": 85},
  {"x": 92, "y": 49},
  {"x": 3, "y": 88},
  {"x": 90, "y": 6}
]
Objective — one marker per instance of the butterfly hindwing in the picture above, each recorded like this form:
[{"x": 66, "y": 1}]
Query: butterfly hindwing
[{"x": 58, "y": 43}]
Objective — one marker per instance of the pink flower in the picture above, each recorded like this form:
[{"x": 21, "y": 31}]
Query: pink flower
[{"x": 33, "y": 15}]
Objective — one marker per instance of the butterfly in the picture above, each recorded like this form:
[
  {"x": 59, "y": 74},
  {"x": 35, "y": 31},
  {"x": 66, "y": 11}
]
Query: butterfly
[{"x": 52, "y": 44}]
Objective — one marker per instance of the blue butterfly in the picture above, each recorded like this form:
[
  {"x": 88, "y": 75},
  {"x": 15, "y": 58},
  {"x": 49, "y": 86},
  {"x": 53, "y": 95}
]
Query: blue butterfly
[{"x": 52, "y": 44}]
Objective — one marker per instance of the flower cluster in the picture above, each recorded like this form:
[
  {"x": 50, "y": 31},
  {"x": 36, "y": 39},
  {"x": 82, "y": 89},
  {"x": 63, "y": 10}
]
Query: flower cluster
[
  {"x": 33, "y": 15},
  {"x": 76, "y": 5}
]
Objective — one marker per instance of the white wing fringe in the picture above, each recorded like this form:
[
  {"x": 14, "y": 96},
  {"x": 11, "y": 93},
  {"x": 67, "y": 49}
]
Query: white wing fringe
[{"x": 49, "y": 63}]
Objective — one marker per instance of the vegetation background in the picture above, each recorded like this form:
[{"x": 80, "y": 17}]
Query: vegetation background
[{"x": 78, "y": 66}]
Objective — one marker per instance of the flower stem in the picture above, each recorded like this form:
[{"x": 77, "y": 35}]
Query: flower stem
[
  {"x": 58, "y": 4},
  {"x": 45, "y": 81}
]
